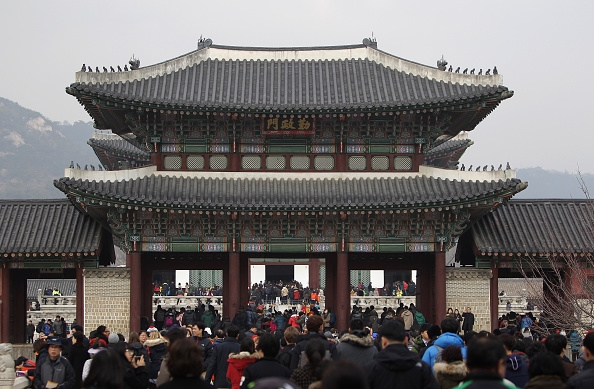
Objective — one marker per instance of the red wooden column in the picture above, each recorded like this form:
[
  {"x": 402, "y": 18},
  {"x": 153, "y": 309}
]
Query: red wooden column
[
  {"x": 5, "y": 304},
  {"x": 133, "y": 262},
  {"x": 494, "y": 296},
  {"x": 330, "y": 290},
  {"x": 440, "y": 287},
  {"x": 343, "y": 298},
  {"x": 244, "y": 280},
  {"x": 314, "y": 273},
  {"x": 232, "y": 302},
  {"x": 80, "y": 296}
]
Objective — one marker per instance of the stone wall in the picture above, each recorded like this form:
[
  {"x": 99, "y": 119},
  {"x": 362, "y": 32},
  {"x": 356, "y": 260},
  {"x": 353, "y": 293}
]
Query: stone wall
[
  {"x": 107, "y": 299},
  {"x": 470, "y": 288}
]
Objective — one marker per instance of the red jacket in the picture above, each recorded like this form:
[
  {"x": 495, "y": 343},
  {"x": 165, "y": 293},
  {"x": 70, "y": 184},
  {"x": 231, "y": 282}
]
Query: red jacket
[{"x": 237, "y": 364}]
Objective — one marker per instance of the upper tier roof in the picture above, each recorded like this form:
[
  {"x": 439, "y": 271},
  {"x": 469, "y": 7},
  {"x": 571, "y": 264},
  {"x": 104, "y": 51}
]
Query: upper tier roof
[
  {"x": 343, "y": 77},
  {"x": 537, "y": 227},
  {"x": 46, "y": 226}
]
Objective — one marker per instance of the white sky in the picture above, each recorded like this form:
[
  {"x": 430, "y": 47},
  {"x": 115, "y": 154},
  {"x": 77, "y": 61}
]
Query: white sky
[{"x": 543, "y": 49}]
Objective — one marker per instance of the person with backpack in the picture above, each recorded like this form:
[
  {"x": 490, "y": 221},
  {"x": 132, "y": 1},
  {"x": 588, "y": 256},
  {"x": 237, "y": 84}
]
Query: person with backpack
[
  {"x": 314, "y": 327},
  {"x": 159, "y": 317},
  {"x": 448, "y": 337}
]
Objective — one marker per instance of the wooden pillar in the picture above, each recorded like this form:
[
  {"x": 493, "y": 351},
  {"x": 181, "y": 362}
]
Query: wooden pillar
[
  {"x": 5, "y": 305},
  {"x": 330, "y": 290},
  {"x": 424, "y": 290},
  {"x": 440, "y": 287},
  {"x": 80, "y": 296},
  {"x": 244, "y": 271},
  {"x": 146, "y": 280},
  {"x": 134, "y": 263},
  {"x": 494, "y": 296},
  {"x": 231, "y": 302},
  {"x": 343, "y": 299},
  {"x": 314, "y": 273}
]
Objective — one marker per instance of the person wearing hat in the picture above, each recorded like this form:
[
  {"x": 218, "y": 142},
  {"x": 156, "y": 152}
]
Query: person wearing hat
[
  {"x": 585, "y": 379},
  {"x": 55, "y": 371}
]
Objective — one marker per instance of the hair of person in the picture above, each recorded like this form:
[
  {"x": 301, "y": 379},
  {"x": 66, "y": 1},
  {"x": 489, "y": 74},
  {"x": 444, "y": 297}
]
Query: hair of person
[
  {"x": 393, "y": 330},
  {"x": 174, "y": 334},
  {"x": 452, "y": 354},
  {"x": 315, "y": 351},
  {"x": 232, "y": 331},
  {"x": 344, "y": 374},
  {"x": 101, "y": 329},
  {"x": 185, "y": 359},
  {"x": 434, "y": 331},
  {"x": 220, "y": 333},
  {"x": 246, "y": 344},
  {"x": 121, "y": 337},
  {"x": 546, "y": 363},
  {"x": 469, "y": 335},
  {"x": 509, "y": 342},
  {"x": 534, "y": 348},
  {"x": 201, "y": 325},
  {"x": 142, "y": 332},
  {"x": 77, "y": 327},
  {"x": 39, "y": 345},
  {"x": 134, "y": 337},
  {"x": 484, "y": 353},
  {"x": 328, "y": 309},
  {"x": 155, "y": 335},
  {"x": 79, "y": 336},
  {"x": 424, "y": 327},
  {"x": 120, "y": 349},
  {"x": 314, "y": 323},
  {"x": 20, "y": 360},
  {"x": 449, "y": 325},
  {"x": 555, "y": 343},
  {"x": 589, "y": 342},
  {"x": 291, "y": 333},
  {"x": 105, "y": 372},
  {"x": 268, "y": 345},
  {"x": 356, "y": 324}
]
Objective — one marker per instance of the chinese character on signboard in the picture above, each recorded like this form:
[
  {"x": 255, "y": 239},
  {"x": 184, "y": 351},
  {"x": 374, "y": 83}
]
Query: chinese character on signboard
[{"x": 288, "y": 126}]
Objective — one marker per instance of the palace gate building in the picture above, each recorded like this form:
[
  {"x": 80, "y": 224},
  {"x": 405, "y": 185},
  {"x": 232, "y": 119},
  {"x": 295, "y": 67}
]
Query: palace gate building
[{"x": 343, "y": 158}]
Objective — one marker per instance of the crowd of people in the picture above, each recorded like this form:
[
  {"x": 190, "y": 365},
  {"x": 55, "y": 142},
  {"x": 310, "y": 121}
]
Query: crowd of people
[{"x": 261, "y": 347}]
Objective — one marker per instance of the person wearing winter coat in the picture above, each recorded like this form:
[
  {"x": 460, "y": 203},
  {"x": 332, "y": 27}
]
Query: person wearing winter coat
[
  {"x": 395, "y": 364},
  {"x": 207, "y": 318},
  {"x": 516, "y": 362},
  {"x": 576, "y": 343},
  {"x": 408, "y": 318},
  {"x": 157, "y": 349},
  {"x": 218, "y": 365},
  {"x": 546, "y": 372},
  {"x": 237, "y": 362},
  {"x": 451, "y": 370},
  {"x": 356, "y": 345},
  {"x": 448, "y": 337},
  {"x": 266, "y": 365}
]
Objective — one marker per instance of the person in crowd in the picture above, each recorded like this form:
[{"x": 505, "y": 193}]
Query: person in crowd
[
  {"x": 201, "y": 338},
  {"x": 156, "y": 348},
  {"x": 516, "y": 363},
  {"x": 344, "y": 374},
  {"x": 77, "y": 356},
  {"x": 184, "y": 363},
  {"x": 557, "y": 344},
  {"x": 396, "y": 364},
  {"x": 239, "y": 361},
  {"x": 585, "y": 379},
  {"x": 105, "y": 372},
  {"x": 133, "y": 366},
  {"x": 267, "y": 365},
  {"x": 448, "y": 337},
  {"x": 314, "y": 327},
  {"x": 54, "y": 371},
  {"x": 485, "y": 360},
  {"x": 546, "y": 372},
  {"x": 452, "y": 369},
  {"x": 30, "y": 331},
  {"x": 575, "y": 340},
  {"x": 315, "y": 352},
  {"x": 468, "y": 320},
  {"x": 100, "y": 335},
  {"x": 218, "y": 362},
  {"x": 420, "y": 341},
  {"x": 357, "y": 344},
  {"x": 290, "y": 336}
]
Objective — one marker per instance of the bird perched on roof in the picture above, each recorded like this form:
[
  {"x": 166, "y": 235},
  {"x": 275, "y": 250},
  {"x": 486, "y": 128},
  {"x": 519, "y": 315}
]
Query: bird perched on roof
[
  {"x": 463, "y": 167},
  {"x": 71, "y": 165},
  {"x": 125, "y": 68},
  {"x": 478, "y": 168},
  {"x": 92, "y": 168},
  {"x": 104, "y": 69},
  {"x": 465, "y": 71},
  {"x": 507, "y": 167},
  {"x": 500, "y": 166},
  {"x": 100, "y": 167},
  {"x": 90, "y": 69},
  {"x": 492, "y": 168},
  {"x": 470, "y": 168},
  {"x": 480, "y": 72},
  {"x": 84, "y": 68},
  {"x": 485, "y": 168},
  {"x": 112, "y": 69},
  {"x": 97, "y": 69},
  {"x": 488, "y": 72},
  {"x": 450, "y": 68},
  {"x": 86, "y": 167},
  {"x": 495, "y": 70},
  {"x": 472, "y": 71},
  {"x": 119, "y": 68},
  {"x": 78, "y": 166},
  {"x": 458, "y": 69}
]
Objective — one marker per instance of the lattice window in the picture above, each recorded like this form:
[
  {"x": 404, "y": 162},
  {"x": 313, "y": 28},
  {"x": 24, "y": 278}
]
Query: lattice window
[
  {"x": 299, "y": 162},
  {"x": 357, "y": 163},
  {"x": 402, "y": 163},
  {"x": 173, "y": 162},
  {"x": 275, "y": 162},
  {"x": 218, "y": 162},
  {"x": 323, "y": 162},
  {"x": 323, "y": 276},
  {"x": 360, "y": 276},
  {"x": 251, "y": 162},
  {"x": 380, "y": 163},
  {"x": 195, "y": 162}
]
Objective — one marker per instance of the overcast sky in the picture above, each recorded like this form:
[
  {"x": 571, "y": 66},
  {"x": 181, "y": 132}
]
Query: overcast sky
[{"x": 543, "y": 49}]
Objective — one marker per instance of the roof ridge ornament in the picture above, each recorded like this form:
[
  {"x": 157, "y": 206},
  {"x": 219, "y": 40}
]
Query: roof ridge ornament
[
  {"x": 442, "y": 63},
  {"x": 204, "y": 42},
  {"x": 370, "y": 42},
  {"x": 134, "y": 63}
]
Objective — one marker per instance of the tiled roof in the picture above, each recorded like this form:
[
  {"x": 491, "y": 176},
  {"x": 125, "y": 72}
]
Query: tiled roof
[
  {"x": 288, "y": 84},
  {"x": 252, "y": 193},
  {"x": 537, "y": 226},
  {"x": 448, "y": 147},
  {"x": 67, "y": 287},
  {"x": 119, "y": 146},
  {"x": 46, "y": 226}
]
